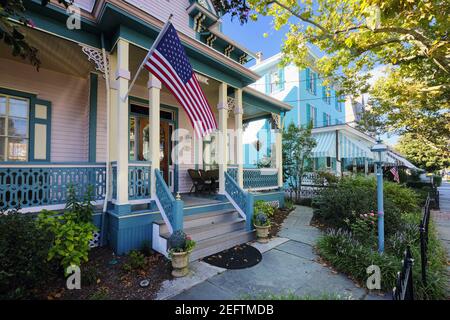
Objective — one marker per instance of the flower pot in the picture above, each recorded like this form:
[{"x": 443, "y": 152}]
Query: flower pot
[
  {"x": 262, "y": 233},
  {"x": 180, "y": 264}
]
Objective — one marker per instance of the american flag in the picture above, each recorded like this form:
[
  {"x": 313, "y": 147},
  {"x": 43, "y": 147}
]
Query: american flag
[
  {"x": 394, "y": 172},
  {"x": 168, "y": 61}
]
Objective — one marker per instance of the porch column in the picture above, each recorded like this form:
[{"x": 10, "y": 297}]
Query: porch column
[
  {"x": 238, "y": 112},
  {"x": 154, "y": 91},
  {"x": 366, "y": 166},
  {"x": 122, "y": 76},
  {"x": 279, "y": 151},
  {"x": 338, "y": 156},
  {"x": 112, "y": 118},
  {"x": 222, "y": 106}
]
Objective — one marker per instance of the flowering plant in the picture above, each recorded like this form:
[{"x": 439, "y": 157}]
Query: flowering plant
[
  {"x": 180, "y": 242},
  {"x": 363, "y": 226}
]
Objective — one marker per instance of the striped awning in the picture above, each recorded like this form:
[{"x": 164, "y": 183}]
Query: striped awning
[
  {"x": 326, "y": 145},
  {"x": 352, "y": 148}
]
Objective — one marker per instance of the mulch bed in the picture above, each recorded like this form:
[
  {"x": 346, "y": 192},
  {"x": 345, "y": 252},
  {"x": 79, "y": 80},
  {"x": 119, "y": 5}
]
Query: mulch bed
[
  {"x": 276, "y": 221},
  {"x": 239, "y": 257},
  {"x": 105, "y": 279}
]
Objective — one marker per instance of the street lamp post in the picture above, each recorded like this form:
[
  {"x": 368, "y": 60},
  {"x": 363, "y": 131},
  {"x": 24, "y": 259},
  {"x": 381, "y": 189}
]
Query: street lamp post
[{"x": 380, "y": 149}]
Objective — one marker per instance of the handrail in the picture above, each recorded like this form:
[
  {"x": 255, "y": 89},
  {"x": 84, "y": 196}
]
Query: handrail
[
  {"x": 171, "y": 209},
  {"x": 241, "y": 200}
]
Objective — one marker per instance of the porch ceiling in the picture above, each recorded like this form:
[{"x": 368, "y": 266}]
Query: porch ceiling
[{"x": 55, "y": 53}]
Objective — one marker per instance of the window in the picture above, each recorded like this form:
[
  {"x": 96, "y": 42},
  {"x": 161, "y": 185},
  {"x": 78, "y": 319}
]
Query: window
[
  {"x": 326, "y": 95},
  {"x": 326, "y": 119},
  {"x": 275, "y": 81},
  {"x": 311, "y": 80},
  {"x": 14, "y": 137},
  {"x": 338, "y": 104},
  {"x": 311, "y": 115}
]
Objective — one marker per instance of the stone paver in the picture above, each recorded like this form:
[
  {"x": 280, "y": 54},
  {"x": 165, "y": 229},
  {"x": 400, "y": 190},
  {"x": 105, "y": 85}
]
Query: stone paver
[{"x": 288, "y": 266}]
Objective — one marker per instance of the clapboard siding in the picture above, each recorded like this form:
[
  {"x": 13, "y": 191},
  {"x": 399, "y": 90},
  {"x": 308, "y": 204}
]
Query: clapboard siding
[
  {"x": 161, "y": 9},
  {"x": 69, "y": 98}
]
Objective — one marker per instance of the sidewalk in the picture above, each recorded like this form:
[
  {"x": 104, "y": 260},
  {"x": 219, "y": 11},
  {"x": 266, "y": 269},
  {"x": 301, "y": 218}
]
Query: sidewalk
[
  {"x": 289, "y": 265},
  {"x": 442, "y": 220}
]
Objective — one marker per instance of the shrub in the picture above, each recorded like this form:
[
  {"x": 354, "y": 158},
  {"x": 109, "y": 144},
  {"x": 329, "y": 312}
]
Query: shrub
[
  {"x": 358, "y": 194},
  {"x": 288, "y": 204},
  {"x": 71, "y": 230},
  {"x": 437, "y": 180},
  {"x": 136, "y": 261},
  {"x": 23, "y": 255},
  {"x": 263, "y": 206}
]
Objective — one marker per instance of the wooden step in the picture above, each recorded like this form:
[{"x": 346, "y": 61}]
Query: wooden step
[
  {"x": 216, "y": 244},
  {"x": 211, "y": 230},
  {"x": 201, "y": 219}
]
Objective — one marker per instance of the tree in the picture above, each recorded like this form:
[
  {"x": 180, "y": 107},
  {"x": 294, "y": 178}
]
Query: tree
[
  {"x": 297, "y": 150},
  {"x": 424, "y": 153},
  {"x": 410, "y": 37},
  {"x": 12, "y": 15}
]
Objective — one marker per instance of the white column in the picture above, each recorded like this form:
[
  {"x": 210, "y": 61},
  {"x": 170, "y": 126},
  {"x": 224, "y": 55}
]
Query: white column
[
  {"x": 154, "y": 98},
  {"x": 238, "y": 113},
  {"x": 222, "y": 142},
  {"x": 122, "y": 76},
  {"x": 338, "y": 156},
  {"x": 279, "y": 152},
  {"x": 366, "y": 166}
]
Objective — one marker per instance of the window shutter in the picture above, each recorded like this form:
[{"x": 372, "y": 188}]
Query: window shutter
[
  {"x": 308, "y": 114},
  {"x": 281, "y": 77},
  {"x": 315, "y": 82},
  {"x": 267, "y": 82},
  {"x": 308, "y": 80},
  {"x": 324, "y": 93},
  {"x": 40, "y": 130},
  {"x": 315, "y": 117},
  {"x": 324, "y": 119}
]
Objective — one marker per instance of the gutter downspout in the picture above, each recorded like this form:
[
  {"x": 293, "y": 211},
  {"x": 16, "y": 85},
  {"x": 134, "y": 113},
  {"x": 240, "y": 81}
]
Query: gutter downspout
[{"x": 108, "y": 158}]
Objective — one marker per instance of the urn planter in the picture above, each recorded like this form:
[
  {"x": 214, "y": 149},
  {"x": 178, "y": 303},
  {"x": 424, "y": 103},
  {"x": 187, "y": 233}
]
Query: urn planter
[
  {"x": 262, "y": 233},
  {"x": 180, "y": 264}
]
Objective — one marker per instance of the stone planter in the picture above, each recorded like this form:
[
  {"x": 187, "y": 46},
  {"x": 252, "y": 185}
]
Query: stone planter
[
  {"x": 262, "y": 233},
  {"x": 180, "y": 264}
]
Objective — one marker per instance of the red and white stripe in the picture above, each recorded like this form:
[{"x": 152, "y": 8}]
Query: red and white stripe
[{"x": 189, "y": 95}]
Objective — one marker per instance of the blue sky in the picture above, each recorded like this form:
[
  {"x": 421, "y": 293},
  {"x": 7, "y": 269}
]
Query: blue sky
[{"x": 250, "y": 35}]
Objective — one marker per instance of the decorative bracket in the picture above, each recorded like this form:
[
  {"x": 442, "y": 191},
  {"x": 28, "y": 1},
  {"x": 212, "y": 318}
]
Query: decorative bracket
[
  {"x": 198, "y": 19},
  {"x": 276, "y": 121},
  {"x": 96, "y": 56},
  {"x": 210, "y": 40},
  {"x": 228, "y": 50}
]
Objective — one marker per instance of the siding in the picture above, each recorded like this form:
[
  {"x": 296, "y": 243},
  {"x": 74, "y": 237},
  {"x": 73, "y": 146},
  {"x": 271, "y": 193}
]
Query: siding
[
  {"x": 162, "y": 9},
  {"x": 69, "y": 98}
]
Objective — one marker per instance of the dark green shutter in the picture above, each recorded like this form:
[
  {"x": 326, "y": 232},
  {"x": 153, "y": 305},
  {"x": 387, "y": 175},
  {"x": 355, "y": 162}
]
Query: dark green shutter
[
  {"x": 40, "y": 130},
  {"x": 315, "y": 117},
  {"x": 308, "y": 114},
  {"x": 315, "y": 83}
]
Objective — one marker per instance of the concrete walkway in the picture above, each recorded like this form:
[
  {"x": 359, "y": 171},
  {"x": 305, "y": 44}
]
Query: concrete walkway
[
  {"x": 442, "y": 220},
  {"x": 289, "y": 265}
]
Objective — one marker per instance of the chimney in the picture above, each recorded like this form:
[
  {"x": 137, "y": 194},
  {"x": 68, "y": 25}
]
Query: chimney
[{"x": 259, "y": 57}]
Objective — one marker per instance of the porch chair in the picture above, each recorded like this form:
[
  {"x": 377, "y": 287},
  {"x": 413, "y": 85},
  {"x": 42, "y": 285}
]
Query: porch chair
[{"x": 199, "y": 183}]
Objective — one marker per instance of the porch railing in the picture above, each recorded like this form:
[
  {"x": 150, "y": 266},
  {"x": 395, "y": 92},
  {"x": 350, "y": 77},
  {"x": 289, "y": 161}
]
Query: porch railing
[
  {"x": 171, "y": 209},
  {"x": 139, "y": 177},
  {"x": 257, "y": 178},
  {"x": 242, "y": 200},
  {"x": 36, "y": 185}
]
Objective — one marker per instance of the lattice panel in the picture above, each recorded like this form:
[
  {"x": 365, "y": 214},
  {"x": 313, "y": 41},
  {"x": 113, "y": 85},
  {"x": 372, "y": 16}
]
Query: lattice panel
[
  {"x": 254, "y": 179},
  {"x": 138, "y": 182}
]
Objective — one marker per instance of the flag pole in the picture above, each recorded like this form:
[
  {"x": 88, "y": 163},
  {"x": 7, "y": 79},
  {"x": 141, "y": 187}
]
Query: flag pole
[{"x": 146, "y": 57}]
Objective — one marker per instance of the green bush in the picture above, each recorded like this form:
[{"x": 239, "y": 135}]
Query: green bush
[
  {"x": 136, "y": 261},
  {"x": 437, "y": 180},
  {"x": 263, "y": 206},
  {"x": 350, "y": 256},
  {"x": 23, "y": 256},
  {"x": 334, "y": 205},
  {"x": 71, "y": 230}
]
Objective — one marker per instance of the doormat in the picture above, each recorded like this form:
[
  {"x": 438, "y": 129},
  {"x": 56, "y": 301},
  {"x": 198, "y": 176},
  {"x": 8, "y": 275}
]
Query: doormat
[{"x": 239, "y": 257}]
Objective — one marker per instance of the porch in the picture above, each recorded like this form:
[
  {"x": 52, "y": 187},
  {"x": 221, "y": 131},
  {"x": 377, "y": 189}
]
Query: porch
[{"x": 134, "y": 153}]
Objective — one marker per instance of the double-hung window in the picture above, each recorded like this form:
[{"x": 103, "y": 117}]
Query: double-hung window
[
  {"x": 326, "y": 95},
  {"x": 14, "y": 131},
  {"x": 311, "y": 115},
  {"x": 326, "y": 119},
  {"x": 275, "y": 81},
  {"x": 311, "y": 81}
]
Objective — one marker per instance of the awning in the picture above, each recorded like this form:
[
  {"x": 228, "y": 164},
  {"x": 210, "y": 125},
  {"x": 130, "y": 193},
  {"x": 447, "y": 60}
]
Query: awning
[
  {"x": 393, "y": 158},
  {"x": 326, "y": 145},
  {"x": 352, "y": 148}
]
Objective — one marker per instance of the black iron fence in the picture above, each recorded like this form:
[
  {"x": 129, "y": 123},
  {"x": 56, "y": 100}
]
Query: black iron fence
[{"x": 404, "y": 289}]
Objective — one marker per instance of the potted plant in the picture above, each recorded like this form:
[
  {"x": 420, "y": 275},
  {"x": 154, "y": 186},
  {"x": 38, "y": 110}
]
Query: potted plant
[
  {"x": 180, "y": 246},
  {"x": 262, "y": 225}
]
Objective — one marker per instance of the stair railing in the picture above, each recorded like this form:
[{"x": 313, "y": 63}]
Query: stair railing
[
  {"x": 171, "y": 209},
  {"x": 241, "y": 200}
]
